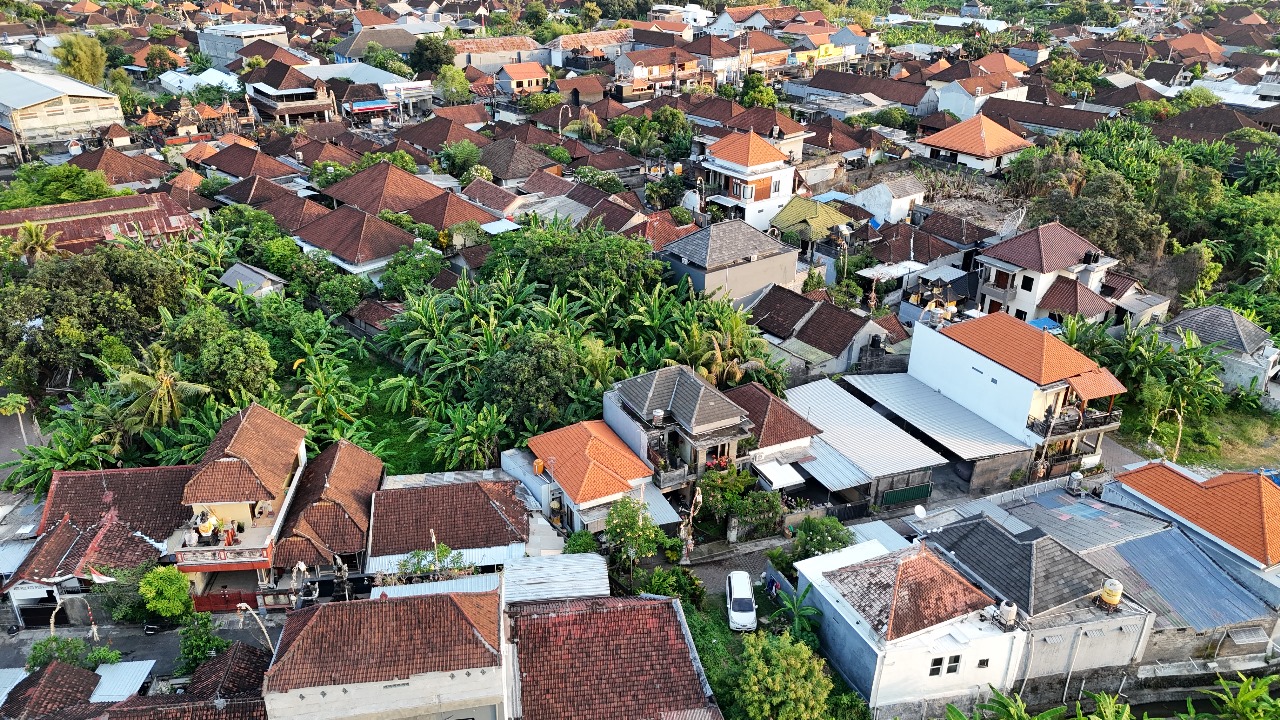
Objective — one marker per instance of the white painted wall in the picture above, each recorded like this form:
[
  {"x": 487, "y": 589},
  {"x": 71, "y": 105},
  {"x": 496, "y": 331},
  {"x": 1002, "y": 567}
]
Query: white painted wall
[
  {"x": 993, "y": 392},
  {"x": 625, "y": 426},
  {"x": 476, "y": 693},
  {"x": 905, "y": 677}
]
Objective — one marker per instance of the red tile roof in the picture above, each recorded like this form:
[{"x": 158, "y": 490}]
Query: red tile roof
[
  {"x": 637, "y": 648},
  {"x": 907, "y": 591},
  {"x": 831, "y": 328},
  {"x": 252, "y": 458},
  {"x": 589, "y": 461},
  {"x": 775, "y": 422},
  {"x": 1069, "y": 297},
  {"x": 979, "y": 137},
  {"x": 1030, "y": 352},
  {"x": 432, "y": 135},
  {"x": 330, "y": 510},
  {"x": 1241, "y": 509},
  {"x": 81, "y": 225},
  {"x": 463, "y": 516},
  {"x": 745, "y": 149},
  {"x": 239, "y": 161},
  {"x": 147, "y": 500},
  {"x": 355, "y": 236},
  {"x": 448, "y": 209},
  {"x": 292, "y": 212},
  {"x": 465, "y": 114},
  {"x": 396, "y": 638},
  {"x": 121, "y": 169},
  {"x": 57, "y": 686},
  {"x": 1045, "y": 249},
  {"x": 383, "y": 187}
]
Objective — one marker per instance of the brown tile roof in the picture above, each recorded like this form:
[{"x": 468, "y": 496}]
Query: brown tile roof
[
  {"x": 234, "y": 676},
  {"x": 762, "y": 42},
  {"x": 491, "y": 196},
  {"x": 510, "y": 159},
  {"x": 463, "y": 516},
  {"x": 956, "y": 229},
  {"x": 548, "y": 184},
  {"x": 1096, "y": 384},
  {"x": 1045, "y": 249},
  {"x": 147, "y": 500},
  {"x": 531, "y": 134},
  {"x": 609, "y": 160},
  {"x": 1028, "y": 113},
  {"x": 81, "y": 225},
  {"x": 465, "y": 114},
  {"x": 716, "y": 109},
  {"x": 1242, "y": 509},
  {"x": 612, "y": 216},
  {"x": 292, "y": 212},
  {"x": 44, "y": 560},
  {"x": 252, "y": 458},
  {"x": 255, "y": 191},
  {"x": 979, "y": 136},
  {"x": 199, "y": 152},
  {"x": 432, "y": 135},
  {"x": 907, "y": 591},
  {"x": 657, "y": 57},
  {"x": 660, "y": 230},
  {"x": 831, "y": 329},
  {"x": 1067, "y": 296},
  {"x": 897, "y": 91},
  {"x": 474, "y": 256},
  {"x": 324, "y": 131},
  {"x": 779, "y": 311},
  {"x": 893, "y": 328},
  {"x": 901, "y": 241},
  {"x": 774, "y": 421},
  {"x": 448, "y": 209},
  {"x": 589, "y": 461},
  {"x": 763, "y": 120},
  {"x": 494, "y": 44},
  {"x": 355, "y": 236},
  {"x": 377, "y": 313},
  {"x": 280, "y": 76},
  {"x": 638, "y": 648},
  {"x": 56, "y": 686},
  {"x": 121, "y": 169},
  {"x": 239, "y": 161},
  {"x": 745, "y": 149},
  {"x": 398, "y": 145},
  {"x": 316, "y": 151},
  {"x": 397, "y": 637},
  {"x": 330, "y": 510},
  {"x": 383, "y": 187},
  {"x": 1032, "y": 353}
]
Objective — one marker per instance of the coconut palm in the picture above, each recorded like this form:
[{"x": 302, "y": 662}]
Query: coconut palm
[
  {"x": 155, "y": 388},
  {"x": 588, "y": 124},
  {"x": 34, "y": 243},
  {"x": 15, "y": 404}
]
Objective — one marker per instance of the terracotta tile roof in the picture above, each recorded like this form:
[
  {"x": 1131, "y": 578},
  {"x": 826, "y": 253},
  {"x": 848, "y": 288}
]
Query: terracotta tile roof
[
  {"x": 316, "y": 151},
  {"x": 589, "y": 461},
  {"x": 383, "y": 187},
  {"x": 188, "y": 179},
  {"x": 252, "y": 458},
  {"x": 548, "y": 184},
  {"x": 831, "y": 329},
  {"x": 474, "y": 256},
  {"x": 998, "y": 62},
  {"x": 446, "y": 279},
  {"x": 475, "y": 46},
  {"x": 239, "y": 161},
  {"x": 780, "y": 310},
  {"x": 1241, "y": 509},
  {"x": 147, "y": 500},
  {"x": 1032, "y": 353},
  {"x": 491, "y": 196},
  {"x": 892, "y": 326},
  {"x": 448, "y": 209},
  {"x": 660, "y": 230},
  {"x": 979, "y": 136},
  {"x": 901, "y": 241},
  {"x": 466, "y": 114},
  {"x": 464, "y": 516},
  {"x": 710, "y": 46},
  {"x": 956, "y": 229},
  {"x": 907, "y": 591},
  {"x": 1067, "y": 296},
  {"x": 716, "y": 109},
  {"x": 741, "y": 13},
  {"x": 908, "y": 94},
  {"x": 255, "y": 191},
  {"x": 397, "y": 637},
  {"x": 81, "y": 225},
  {"x": 292, "y": 212},
  {"x": 432, "y": 135},
  {"x": 355, "y": 236},
  {"x": 635, "y": 647},
  {"x": 58, "y": 685},
  {"x": 330, "y": 510},
  {"x": 659, "y": 57},
  {"x": 775, "y": 422},
  {"x": 377, "y": 313},
  {"x": 87, "y": 711},
  {"x": 44, "y": 560},
  {"x": 762, "y": 42},
  {"x": 746, "y": 149},
  {"x": 121, "y": 169},
  {"x": 819, "y": 295},
  {"x": 763, "y": 120},
  {"x": 524, "y": 71},
  {"x": 402, "y": 146},
  {"x": 531, "y": 134},
  {"x": 1045, "y": 249},
  {"x": 1096, "y": 384},
  {"x": 988, "y": 84},
  {"x": 183, "y": 189}
]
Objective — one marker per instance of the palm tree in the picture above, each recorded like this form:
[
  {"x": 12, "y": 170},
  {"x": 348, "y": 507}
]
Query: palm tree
[
  {"x": 1012, "y": 707},
  {"x": 588, "y": 124},
  {"x": 15, "y": 404},
  {"x": 34, "y": 243},
  {"x": 793, "y": 606},
  {"x": 1268, "y": 264},
  {"x": 156, "y": 388}
]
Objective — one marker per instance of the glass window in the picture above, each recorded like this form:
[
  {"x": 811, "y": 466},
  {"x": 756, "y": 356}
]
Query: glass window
[
  {"x": 983, "y": 663},
  {"x": 1020, "y": 314},
  {"x": 953, "y": 664},
  {"x": 935, "y": 667},
  {"x": 1028, "y": 282}
]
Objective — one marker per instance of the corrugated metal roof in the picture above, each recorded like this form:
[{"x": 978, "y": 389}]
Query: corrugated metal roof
[
  {"x": 779, "y": 475},
  {"x": 881, "y": 532},
  {"x": 834, "y": 471},
  {"x": 946, "y": 516},
  {"x": 8, "y": 678},
  {"x": 23, "y": 89},
  {"x": 472, "y": 583},
  {"x": 499, "y": 555},
  {"x": 952, "y": 425},
  {"x": 417, "y": 480},
  {"x": 1168, "y": 574},
  {"x": 1084, "y": 523},
  {"x": 555, "y": 577},
  {"x": 659, "y": 509},
  {"x": 121, "y": 680},
  {"x": 877, "y": 446},
  {"x": 12, "y": 554}
]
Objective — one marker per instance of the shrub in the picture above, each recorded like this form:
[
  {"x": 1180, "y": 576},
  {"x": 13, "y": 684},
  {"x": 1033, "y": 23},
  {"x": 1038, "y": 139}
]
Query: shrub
[
  {"x": 166, "y": 592},
  {"x": 582, "y": 541},
  {"x": 197, "y": 639},
  {"x": 677, "y": 582},
  {"x": 73, "y": 651}
]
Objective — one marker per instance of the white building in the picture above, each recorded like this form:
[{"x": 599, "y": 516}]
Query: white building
[
  {"x": 966, "y": 96},
  {"x": 181, "y": 83},
  {"x": 749, "y": 178},
  {"x": 45, "y": 109},
  {"x": 979, "y": 143},
  {"x": 891, "y": 201},
  {"x": 1048, "y": 271},
  {"x": 221, "y": 42}
]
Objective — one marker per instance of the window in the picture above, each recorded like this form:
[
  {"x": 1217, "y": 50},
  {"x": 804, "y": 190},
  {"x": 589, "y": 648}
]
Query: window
[
  {"x": 1028, "y": 282},
  {"x": 935, "y": 667},
  {"x": 745, "y": 191},
  {"x": 777, "y": 185},
  {"x": 983, "y": 664},
  {"x": 953, "y": 664},
  {"x": 1020, "y": 314}
]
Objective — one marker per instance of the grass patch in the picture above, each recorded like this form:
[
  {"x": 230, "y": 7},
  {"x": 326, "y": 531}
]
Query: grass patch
[
  {"x": 401, "y": 455},
  {"x": 1230, "y": 440}
]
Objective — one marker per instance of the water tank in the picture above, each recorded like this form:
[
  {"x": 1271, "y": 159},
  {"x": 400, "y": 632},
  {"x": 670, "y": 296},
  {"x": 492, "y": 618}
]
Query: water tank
[
  {"x": 538, "y": 466},
  {"x": 1112, "y": 591},
  {"x": 678, "y": 168},
  {"x": 1008, "y": 613}
]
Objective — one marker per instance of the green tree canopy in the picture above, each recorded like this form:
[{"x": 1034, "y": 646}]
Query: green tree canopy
[
  {"x": 459, "y": 156},
  {"x": 81, "y": 57},
  {"x": 166, "y": 592},
  {"x": 431, "y": 54},
  {"x": 781, "y": 679},
  {"x": 39, "y": 184},
  {"x": 452, "y": 85}
]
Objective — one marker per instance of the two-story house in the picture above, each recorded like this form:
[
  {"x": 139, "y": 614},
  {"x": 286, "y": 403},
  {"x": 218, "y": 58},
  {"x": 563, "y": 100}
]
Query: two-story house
[
  {"x": 732, "y": 259},
  {"x": 1048, "y": 271},
  {"x": 1247, "y": 352},
  {"x": 748, "y": 178},
  {"x": 280, "y": 92},
  {"x": 1026, "y": 382},
  {"x": 517, "y": 79},
  {"x": 641, "y": 73},
  {"x": 239, "y": 496}
]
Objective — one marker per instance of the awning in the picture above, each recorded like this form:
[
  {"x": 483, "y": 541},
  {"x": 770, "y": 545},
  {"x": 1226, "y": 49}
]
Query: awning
[
  {"x": 498, "y": 227},
  {"x": 659, "y": 509},
  {"x": 779, "y": 475},
  {"x": 1095, "y": 384},
  {"x": 892, "y": 271}
]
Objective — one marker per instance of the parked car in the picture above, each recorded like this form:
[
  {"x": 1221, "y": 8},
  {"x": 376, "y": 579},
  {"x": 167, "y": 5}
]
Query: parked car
[{"x": 741, "y": 601}]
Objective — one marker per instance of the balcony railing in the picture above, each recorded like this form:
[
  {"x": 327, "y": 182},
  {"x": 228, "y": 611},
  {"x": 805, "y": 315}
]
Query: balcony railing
[
  {"x": 667, "y": 472},
  {"x": 1071, "y": 421},
  {"x": 202, "y": 555},
  {"x": 995, "y": 292}
]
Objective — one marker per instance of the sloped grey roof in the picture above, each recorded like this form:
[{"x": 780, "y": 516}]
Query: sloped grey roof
[
  {"x": 1214, "y": 323},
  {"x": 905, "y": 186},
  {"x": 1030, "y": 568},
  {"x": 724, "y": 243},
  {"x": 693, "y": 402},
  {"x": 250, "y": 276}
]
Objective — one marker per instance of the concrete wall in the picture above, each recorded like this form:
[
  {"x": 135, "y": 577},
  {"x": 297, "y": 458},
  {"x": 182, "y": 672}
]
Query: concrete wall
[
  {"x": 475, "y": 693},
  {"x": 739, "y": 281},
  {"x": 621, "y": 422},
  {"x": 994, "y": 473},
  {"x": 222, "y": 48},
  {"x": 60, "y": 119},
  {"x": 1060, "y": 650},
  {"x": 491, "y": 62}
]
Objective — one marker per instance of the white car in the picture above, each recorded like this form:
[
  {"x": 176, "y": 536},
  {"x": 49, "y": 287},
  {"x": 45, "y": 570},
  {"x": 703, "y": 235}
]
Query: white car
[{"x": 741, "y": 601}]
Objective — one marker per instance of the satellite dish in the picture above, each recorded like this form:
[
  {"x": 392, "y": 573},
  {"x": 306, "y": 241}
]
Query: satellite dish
[{"x": 920, "y": 512}]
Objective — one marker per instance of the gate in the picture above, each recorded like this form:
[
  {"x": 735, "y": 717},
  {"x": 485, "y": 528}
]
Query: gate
[
  {"x": 906, "y": 494},
  {"x": 224, "y": 600},
  {"x": 38, "y": 614}
]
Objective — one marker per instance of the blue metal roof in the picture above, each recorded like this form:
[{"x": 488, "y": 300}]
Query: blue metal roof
[
  {"x": 1167, "y": 573},
  {"x": 1044, "y": 323}
]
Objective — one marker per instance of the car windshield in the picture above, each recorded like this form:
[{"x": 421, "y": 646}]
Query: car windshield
[{"x": 742, "y": 605}]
